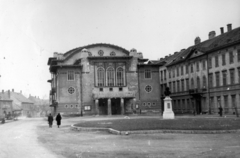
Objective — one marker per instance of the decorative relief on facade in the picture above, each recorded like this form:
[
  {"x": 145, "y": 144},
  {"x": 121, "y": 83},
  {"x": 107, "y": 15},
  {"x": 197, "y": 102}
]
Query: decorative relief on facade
[
  {"x": 89, "y": 54},
  {"x": 112, "y": 53},
  {"x": 71, "y": 90},
  {"x": 100, "y": 52},
  {"x": 148, "y": 88}
]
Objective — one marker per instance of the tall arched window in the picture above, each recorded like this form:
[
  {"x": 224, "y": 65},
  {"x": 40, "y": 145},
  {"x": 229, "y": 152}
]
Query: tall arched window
[
  {"x": 110, "y": 76},
  {"x": 192, "y": 83},
  {"x": 100, "y": 77},
  {"x": 204, "y": 82},
  {"x": 198, "y": 83},
  {"x": 120, "y": 76}
]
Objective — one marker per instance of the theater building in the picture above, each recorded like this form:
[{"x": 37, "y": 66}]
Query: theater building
[
  {"x": 103, "y": 79},
  {"x": 206, "y": 75}
]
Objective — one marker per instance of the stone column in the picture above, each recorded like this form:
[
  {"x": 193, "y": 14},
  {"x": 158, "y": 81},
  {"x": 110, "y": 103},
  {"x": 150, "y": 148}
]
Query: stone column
[
  {"x": 109, "y": 107},
  {"x": 97, "y": 106},
  {"x": 122, "y": 106}
]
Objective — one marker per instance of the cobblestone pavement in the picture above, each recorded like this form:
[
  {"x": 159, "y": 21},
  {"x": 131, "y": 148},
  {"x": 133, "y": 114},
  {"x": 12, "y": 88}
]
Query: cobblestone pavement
[{"x": 18, "y": 139}]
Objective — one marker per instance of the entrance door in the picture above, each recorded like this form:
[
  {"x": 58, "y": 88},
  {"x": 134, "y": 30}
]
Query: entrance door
[
  {"x": 103, "y": 107},
  {"x": 116, "y": 106},
  {"x": 198, "y": 105}
]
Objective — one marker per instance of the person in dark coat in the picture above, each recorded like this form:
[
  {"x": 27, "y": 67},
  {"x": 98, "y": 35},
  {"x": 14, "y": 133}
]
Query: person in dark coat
[
  {"x": 220, "y": 110},
  {"x": 50, "y": 120},
  {"x": 58, "y": 119}
]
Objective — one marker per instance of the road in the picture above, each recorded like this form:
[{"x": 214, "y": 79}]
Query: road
[{"x": 18, "y": 139}]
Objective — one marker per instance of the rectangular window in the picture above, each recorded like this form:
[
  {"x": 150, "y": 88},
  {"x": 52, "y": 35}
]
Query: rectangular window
[
  {"x": 70, "y": 75},
  {"x": 169, "y": 73},
  {"x": 225, "y": 104},
  {"x": 181, "y": 70},
  {"x": 173, "y": 72},
  {"x": 204, "y": 65},
  {"x": 197, "y": 66},
  {"x": 192, "y": 68},
  {"x": 148, "y": 74},
  {"x": 182, "y": 85},
  {"x": 165, "y": 75},
  {"x": 239, "y": 75},
  {"x": 210, "y": 63},
  {"x": 174, "y": 87},
  {"x": 170, "y": 86},
  {"x": 187, "y": 84},
  {"x": 217, "y": 79},
  {"x": 183, "y": 105},
  {"x": 224, "y": 74},
  {"x": 231, "y": 57},
  {"x": 177, "y": 71},
  {"x": 186, "y": 68},
  {"x": 178, "y": 86},
  {"x": 210, "y": 80},
  {"x": 223, "y": 59},
  {"x": 161, "y": 75},
  {"x": 216, "y": 61},
  {"x": 233, "y": 101},
  {"x": 238, "y": 53},
  {"x": 232, "y": 76}
]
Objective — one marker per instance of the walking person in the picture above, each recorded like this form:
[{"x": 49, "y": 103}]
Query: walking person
[
  {"x": 220, "y": 110},
  {"x": 50, "y": 120},
  {"x": 58, "y": 119}
]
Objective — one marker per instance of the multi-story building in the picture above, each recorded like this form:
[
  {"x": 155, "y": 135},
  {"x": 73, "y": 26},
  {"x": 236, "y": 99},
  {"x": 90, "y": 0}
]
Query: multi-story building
[
  {"x": 103, "y": 79},
  {"x": 206, "y": 75}
]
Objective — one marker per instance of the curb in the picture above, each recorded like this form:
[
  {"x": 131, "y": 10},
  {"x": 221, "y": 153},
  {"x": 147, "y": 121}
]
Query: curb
[{"x": 116, "y": 132}]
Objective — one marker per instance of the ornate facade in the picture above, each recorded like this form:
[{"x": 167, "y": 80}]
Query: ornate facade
[{"x": 103, "y": 79}]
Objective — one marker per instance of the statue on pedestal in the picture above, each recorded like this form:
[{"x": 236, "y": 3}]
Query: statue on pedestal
[{"x": 168, "y": 113}]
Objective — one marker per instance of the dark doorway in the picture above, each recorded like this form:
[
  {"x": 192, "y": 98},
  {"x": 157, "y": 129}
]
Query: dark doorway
[
  {"x": 198, "y": 105},
  {"x": 103, "y": 107},
  {"x": 116, "y": 106}
]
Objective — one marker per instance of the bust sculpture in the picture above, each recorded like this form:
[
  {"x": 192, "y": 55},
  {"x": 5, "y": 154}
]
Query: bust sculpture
[{"x": 167, "y": 91}]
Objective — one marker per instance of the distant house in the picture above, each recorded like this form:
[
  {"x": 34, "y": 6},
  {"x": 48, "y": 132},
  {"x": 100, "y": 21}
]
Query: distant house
[
  {"x": 41, "y": 106},
  {"x": 19, "y": 103},
  {"x": 6, "y": 107}
]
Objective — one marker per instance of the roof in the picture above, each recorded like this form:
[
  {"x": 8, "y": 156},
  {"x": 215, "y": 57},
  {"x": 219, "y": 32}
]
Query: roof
[
  {"x": 76, "y": 50},
  {"x": 73, "y": 51},
  {"x": 16, "y": 96},
  {"x": 219, "y": 42}
]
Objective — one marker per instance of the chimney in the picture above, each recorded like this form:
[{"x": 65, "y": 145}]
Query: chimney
[
  {"x": 229, "y": 27},
  {"x": 21, "y": 91},
  {"x": 211, "y": 35},
  {"x": 9, "y": 94},
  {"x": 2, "y": 91},
  {"x": 197, "y": 40},
  {"x": 12, "y": 90},
  {"x": 222, "y": 30}
]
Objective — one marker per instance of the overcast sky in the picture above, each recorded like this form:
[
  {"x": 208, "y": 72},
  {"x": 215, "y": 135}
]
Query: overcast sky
[{"x": 31, "y": 30}]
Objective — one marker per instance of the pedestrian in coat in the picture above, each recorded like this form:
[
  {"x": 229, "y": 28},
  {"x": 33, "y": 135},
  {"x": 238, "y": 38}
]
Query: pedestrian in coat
[
  {"x": 58, "y": 119},
  {"x": 50, "y": 120}
]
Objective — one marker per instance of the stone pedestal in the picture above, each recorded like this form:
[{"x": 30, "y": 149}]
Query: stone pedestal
[{"x": 168, "y": 113}]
